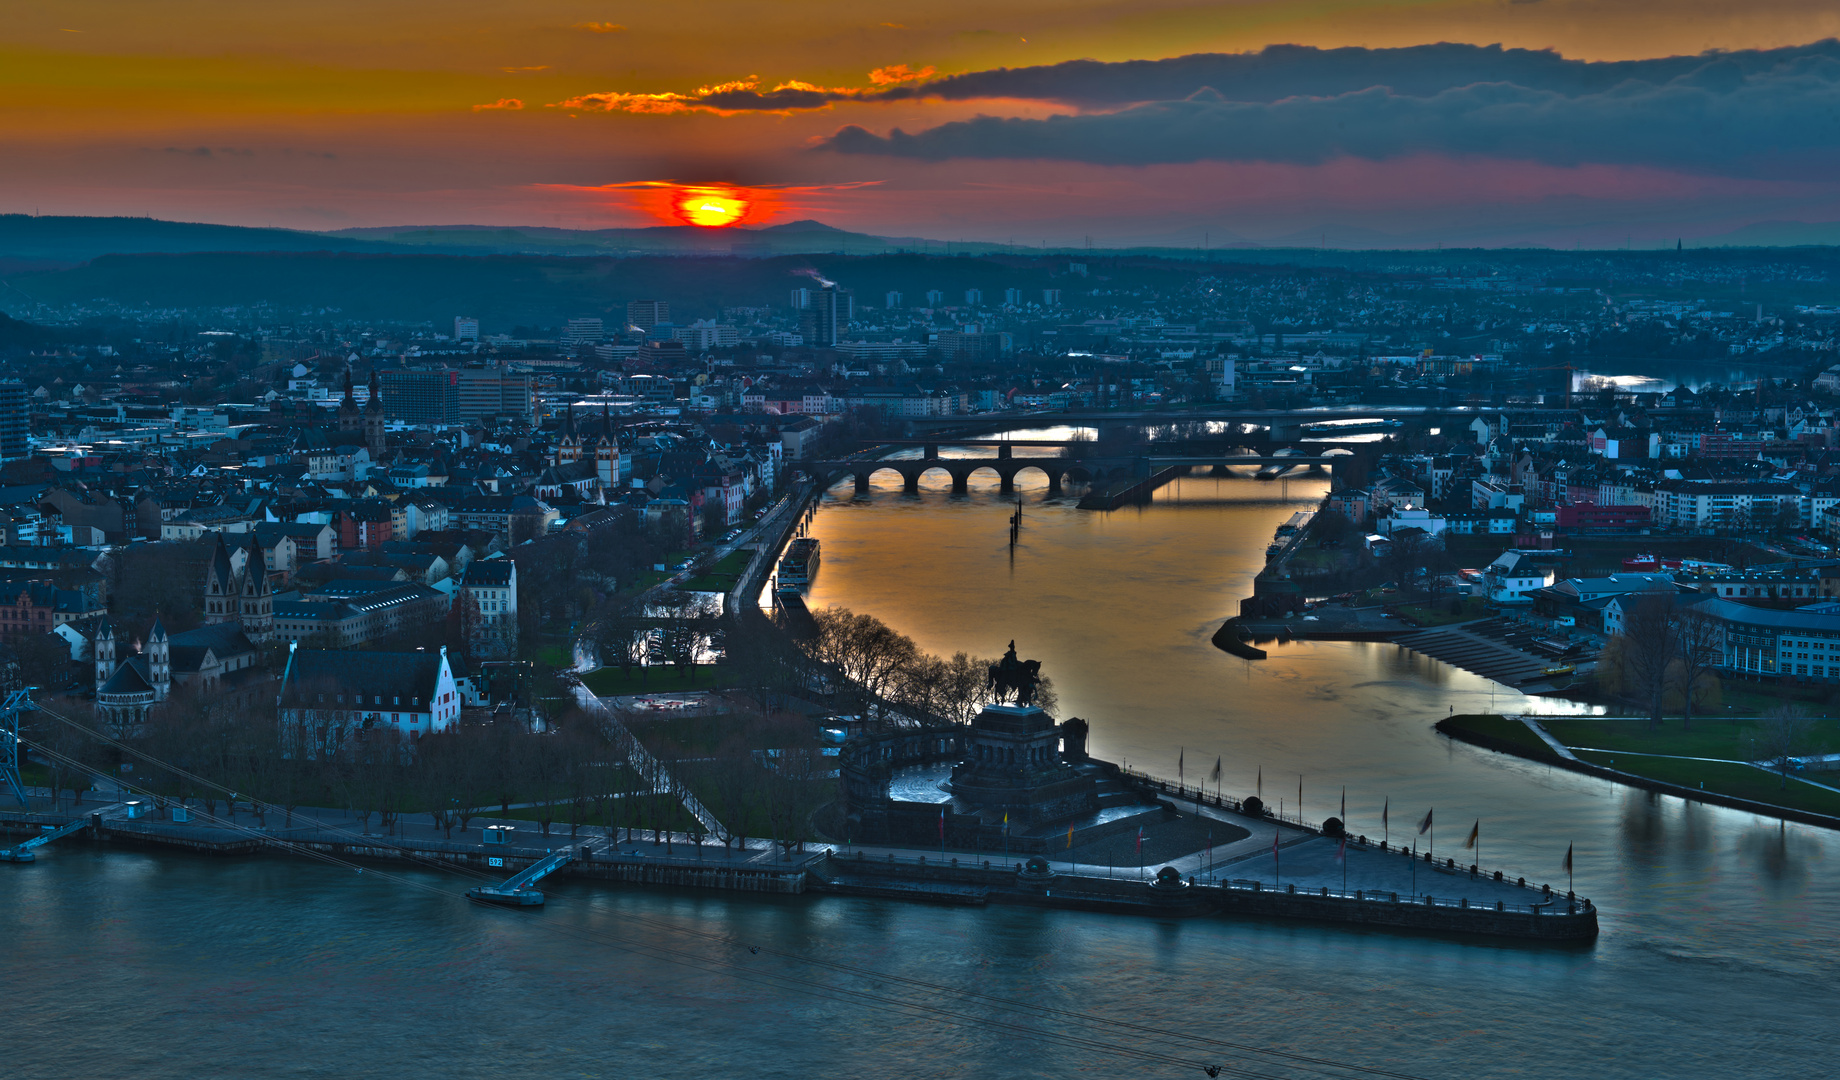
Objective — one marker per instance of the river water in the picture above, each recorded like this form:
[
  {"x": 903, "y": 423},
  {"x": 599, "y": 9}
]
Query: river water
[{"x": 1717, "y": 956}]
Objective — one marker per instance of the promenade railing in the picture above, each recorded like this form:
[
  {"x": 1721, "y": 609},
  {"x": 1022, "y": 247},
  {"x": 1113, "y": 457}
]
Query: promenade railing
[{"x": 1071, "y": 875}]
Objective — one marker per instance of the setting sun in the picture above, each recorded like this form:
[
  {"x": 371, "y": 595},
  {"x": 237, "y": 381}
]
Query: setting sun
[{"x": 712, "y": 208}]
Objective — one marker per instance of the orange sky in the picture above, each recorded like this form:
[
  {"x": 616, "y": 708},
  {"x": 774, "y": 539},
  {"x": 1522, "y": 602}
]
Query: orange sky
[{"x": 342, "y": 113}]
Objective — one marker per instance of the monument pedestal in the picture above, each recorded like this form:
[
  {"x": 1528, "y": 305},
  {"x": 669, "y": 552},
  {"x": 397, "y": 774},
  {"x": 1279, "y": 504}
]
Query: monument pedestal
[{"x": 1014, "y": 765}]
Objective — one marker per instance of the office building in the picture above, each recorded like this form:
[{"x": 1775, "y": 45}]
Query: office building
[
  {"x": 826, "y": 319},
  {"x": 422, "y": 395},
  {"x": 15, "y": 413},
  {"x": 492, "y": 391},
  {"x": 582, "y": 332},
  {"x": 1050, "y": 298},
  {"x": 646, "y": 314},
  {"x": 465, "y": 328},
  {"x": 893, "y": 300},
  {"x": 974, "y": 297}
]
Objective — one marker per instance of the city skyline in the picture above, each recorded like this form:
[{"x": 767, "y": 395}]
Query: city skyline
[{"x": 1591, "y": 124}]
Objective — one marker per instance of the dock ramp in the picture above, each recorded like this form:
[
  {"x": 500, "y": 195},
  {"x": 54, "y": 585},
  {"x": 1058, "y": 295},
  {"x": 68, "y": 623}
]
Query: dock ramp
[
  {"x": 516, "y": 891},
  {"x": 24, "y": 852}
]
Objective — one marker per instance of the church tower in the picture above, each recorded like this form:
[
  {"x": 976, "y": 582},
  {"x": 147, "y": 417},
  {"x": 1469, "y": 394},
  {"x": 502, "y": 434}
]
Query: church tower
[
  {"x": 374, "y": 438},
  {"x": 255, "y": 600},
  {"x": 220, "y": 586},
  {"x": 349, "y": 417},
  {"x": 607, "y": 454},
  {"x": 104, "y": 649},
  {"x": 159, "y": 661},
  {"x": 568, "y": 448}
]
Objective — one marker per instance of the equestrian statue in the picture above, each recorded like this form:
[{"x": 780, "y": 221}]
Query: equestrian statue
[{"x": 1013, "y": 676}]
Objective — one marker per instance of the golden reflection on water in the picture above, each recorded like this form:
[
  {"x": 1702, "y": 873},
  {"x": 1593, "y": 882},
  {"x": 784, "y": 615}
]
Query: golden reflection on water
[{"x": 1120, "y": 608}]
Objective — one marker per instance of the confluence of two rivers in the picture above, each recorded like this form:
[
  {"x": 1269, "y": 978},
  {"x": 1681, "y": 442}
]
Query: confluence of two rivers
[{"x": 1717, "y": 956}]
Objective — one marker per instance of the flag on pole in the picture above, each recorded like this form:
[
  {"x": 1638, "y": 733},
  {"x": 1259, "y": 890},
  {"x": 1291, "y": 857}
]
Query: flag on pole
[
  {"x": 942, "y": 824},
  {"x": 1261, "y": 783},
  {"x": 1385, "y": 807},
  {"x": 1425, "y": 824},
  {"x": 1069, "y": 836},
  {"x": 1475, "y": 833},
  {"x": 1344, "y": 804},
  {"x": 1275, "y": 833},
  {"x": 1006, "y": 823},
  {"x": 1180, "y": 755},
  {"x": 1568, "y": 859},
  {"x": 1341, "y": 849},
  {"x": 1140, "y": 841},
  {"x": 1215, "y": 775}
]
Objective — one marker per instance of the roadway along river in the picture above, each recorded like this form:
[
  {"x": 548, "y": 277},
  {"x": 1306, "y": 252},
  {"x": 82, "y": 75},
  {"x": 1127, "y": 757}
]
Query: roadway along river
[{"x": 1717, "y": 954}]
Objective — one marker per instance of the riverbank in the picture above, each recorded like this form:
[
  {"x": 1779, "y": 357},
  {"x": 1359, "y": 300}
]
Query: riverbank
[
  {"x": 1678, "y": 775},
  {"x": 1314, "y": 877}
]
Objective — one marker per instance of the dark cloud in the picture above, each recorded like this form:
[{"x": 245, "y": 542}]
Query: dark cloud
[
  {"x": 1752, "y": 114},
  {"x": 1281, "y": 71}
]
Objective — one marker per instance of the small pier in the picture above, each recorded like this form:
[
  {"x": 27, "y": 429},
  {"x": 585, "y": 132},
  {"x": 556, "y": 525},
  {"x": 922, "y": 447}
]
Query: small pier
[
  {"x": 23, "y": 852},
  {"x": 518, "y": 891}
]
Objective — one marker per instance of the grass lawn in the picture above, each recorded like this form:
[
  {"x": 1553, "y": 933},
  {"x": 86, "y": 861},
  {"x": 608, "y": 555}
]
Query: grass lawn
[
  {"x": 722, "y": 576},
  {"x": 1712, "y": 736},
  {"x": 1753, "y": 702},
  {"x": 614, "y": 682},
  {"x": 1742, "y": 781},
  {"x": 1500, "y": 729}
]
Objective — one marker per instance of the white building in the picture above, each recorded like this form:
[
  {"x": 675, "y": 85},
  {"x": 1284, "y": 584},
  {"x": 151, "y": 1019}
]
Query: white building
[
  {"x": 329, "y": 695},
  {"x": 1513, "y": 579},
  {"x": 491, "y": 584}
]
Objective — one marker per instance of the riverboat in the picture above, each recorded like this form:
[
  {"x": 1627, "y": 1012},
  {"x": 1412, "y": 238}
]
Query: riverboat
[{"x": 800, "y": 562}]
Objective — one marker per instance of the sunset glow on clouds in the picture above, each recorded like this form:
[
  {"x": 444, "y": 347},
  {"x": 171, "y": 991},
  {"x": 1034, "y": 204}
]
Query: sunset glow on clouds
[{"x": 1144, "y": 121}]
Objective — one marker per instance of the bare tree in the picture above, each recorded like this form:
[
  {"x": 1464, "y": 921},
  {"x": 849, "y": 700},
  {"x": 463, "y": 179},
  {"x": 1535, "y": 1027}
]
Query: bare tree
[
  {"x": 1699, "y": 643},
  {"x": 866, "y": 652},
  {"x": 1782, "y": 735},
  {"x": 1647, "y": 650}
]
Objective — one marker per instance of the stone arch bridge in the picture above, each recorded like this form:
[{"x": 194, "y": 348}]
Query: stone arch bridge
[{"x": 1057, "y": 470}]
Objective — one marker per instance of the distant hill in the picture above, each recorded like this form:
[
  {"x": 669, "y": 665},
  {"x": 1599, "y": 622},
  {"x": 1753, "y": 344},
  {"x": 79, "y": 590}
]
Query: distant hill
[
  {"x": 791, "y": 238},
  {"x": 1776, "y": 234},
  {"x": 27, "y": 241},
  {"x": 505, "y": 291},
  {"x": 69, "y": 240},
  {"x": 15, "y": 333}
]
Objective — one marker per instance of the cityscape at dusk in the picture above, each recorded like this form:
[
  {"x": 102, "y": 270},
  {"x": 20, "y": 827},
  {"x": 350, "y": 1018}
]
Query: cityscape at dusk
[{"x": 965, "y": 540}]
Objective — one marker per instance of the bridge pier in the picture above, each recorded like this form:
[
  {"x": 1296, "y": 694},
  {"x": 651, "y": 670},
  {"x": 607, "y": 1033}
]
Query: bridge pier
[
  {"x": 1054, "y": 481},
  {"x": 930, "y": 452},
  {"x": 910, "y": 481},
  {"x": 1007, "y": 482},
  {"x": 961, "y": 482},
  {"x": 862, "y": 483},
  {"x": 1005, "y": 451}
]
